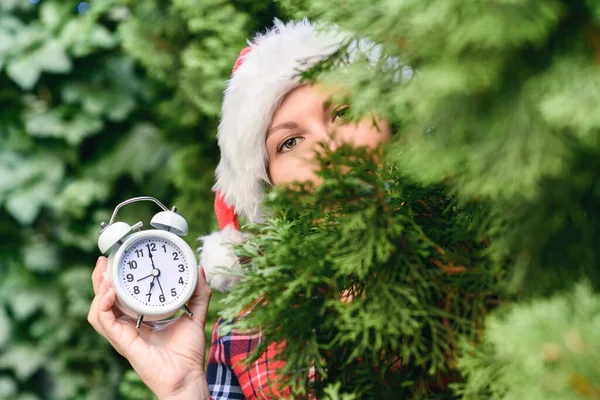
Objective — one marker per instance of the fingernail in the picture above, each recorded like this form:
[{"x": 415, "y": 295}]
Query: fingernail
[
  {"x": 202, "y": 272},
  {"x": 98, "y": 260}
]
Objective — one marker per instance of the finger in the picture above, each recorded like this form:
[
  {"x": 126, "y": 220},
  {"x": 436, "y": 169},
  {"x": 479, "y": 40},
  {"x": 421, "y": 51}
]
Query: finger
[
  {"x": 121, "y": 333},
  {"x": 98, "y": 273},
  {"x": 198, "y": 305},
  {"x": 189, "y": 332},
  {"x": 105, "y": 315},
  {"x": 93, "y": 317},
  {"x": 93, "y": 312},
  {"x": 200, "y": 299},
  {"x": 100, "y": 303}
]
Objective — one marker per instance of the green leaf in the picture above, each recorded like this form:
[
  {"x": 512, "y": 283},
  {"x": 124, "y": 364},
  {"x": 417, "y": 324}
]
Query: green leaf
[
  {"x": 10, "y": 23},
  {"x": 121, "y": 106},
  {"x": 13, "y": 5},
  {"x": 66, "y": 382},
  {"x": 46, "y": 55},
  {"x": 50, "y": 14},
  {"x": 8, "y": 388},
  {"x": 333, "y": 392},
  {"x": 24, "y": 72},
  {"x": 5, "y": 327},
  {"x": 115, "y": 103},
  {"x": 29, "y": 184},
  {"x": 101, "y": 37},
  {"x": 6, "y": 43},
  {"x": 79, "y": 194},
  {"x": 85, "y": 237},
  {"x": 24, "y": 304},
  {"x": 52, "y": 123},
  {"x": 9, "y": 170},
  {"x": 25, "y": 205},
  {"x": 76, "y": 286},
  {"x": 24, "y": 360},
  {"x": 41, "y": 257},
  {"x": 51, "y": 57},
  {"x": 142, "y": 151},
  {"x": 82, "y": 37}
]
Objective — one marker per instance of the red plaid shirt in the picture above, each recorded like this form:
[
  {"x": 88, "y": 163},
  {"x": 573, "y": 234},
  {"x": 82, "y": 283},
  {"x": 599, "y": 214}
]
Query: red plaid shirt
[{"x": 229, "y": 377}]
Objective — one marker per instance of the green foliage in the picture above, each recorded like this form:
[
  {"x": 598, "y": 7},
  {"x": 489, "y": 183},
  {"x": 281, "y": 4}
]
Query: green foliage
[
  {"x": 64, "y": 85},
  {"x": 504, "y": 99},
  {"x": 544, "y": 349},
  {"x": 375, "y": 278},
  {"x": 498, "y": 101},
  {"x": 118, "y": 102},
  {"x": 497, "y": 144}
]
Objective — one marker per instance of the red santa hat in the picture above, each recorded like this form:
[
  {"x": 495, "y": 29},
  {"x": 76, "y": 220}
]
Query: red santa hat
[{"x": 263, "y": 74}]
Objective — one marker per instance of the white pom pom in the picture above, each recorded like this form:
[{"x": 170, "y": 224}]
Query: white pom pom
[{"x": 217, "y": 257}]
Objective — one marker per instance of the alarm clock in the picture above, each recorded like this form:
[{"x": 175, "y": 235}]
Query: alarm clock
[{"x": 153, "y": 271}]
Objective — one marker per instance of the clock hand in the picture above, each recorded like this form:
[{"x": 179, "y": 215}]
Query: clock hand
[
  {"x": 151, "y": 257},
  {"x": 149, "y": 294},
  {"x": 155, "y": 272},
  {"x": 160, "y": 286},
  {"x": 147, "y": 276}
]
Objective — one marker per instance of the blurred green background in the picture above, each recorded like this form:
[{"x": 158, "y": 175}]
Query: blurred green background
[{"x": 100, "y": 101}]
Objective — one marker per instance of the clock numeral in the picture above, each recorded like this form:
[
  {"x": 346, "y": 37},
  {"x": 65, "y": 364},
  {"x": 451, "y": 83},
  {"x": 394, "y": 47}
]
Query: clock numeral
[
  {"x": 151, "y": 247},
  {"x": 164, "y": 248},
  {"x": 129, "y": 277},
  {"x": 175, "y": 256},
  {"x": 139, "y": 253},
  {"x": 181, "y": 268},
  {"x": 161, "y": 298},
  {"x": 132, "y": 264},
  {"x": 180, "y": 280},
  {"x": 148, "y": 294},
  {"x": 173, "y": 292},
  {"x": 136, "y": 289}
]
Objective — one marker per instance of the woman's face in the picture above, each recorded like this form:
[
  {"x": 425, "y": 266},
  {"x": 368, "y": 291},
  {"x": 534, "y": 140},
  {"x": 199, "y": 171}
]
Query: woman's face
[{"x": 305, "y": 119}]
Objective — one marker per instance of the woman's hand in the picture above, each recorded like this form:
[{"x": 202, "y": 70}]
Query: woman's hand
[{"x": 170, "y": 360}]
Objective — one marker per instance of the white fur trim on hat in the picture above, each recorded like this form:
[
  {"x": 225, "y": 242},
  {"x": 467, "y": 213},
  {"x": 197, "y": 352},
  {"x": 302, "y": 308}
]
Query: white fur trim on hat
[
  {"x": 217, "y": 257},
  {"x": 268, "y": 72}
]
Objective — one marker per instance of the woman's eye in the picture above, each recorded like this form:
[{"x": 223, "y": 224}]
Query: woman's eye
[
  {"x": 339, "y": 112},
  {"x": 289, "y": 144}
]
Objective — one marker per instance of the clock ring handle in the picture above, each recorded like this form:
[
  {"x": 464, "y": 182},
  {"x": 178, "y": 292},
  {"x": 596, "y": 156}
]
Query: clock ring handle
[{"x": 134, "y": 200}]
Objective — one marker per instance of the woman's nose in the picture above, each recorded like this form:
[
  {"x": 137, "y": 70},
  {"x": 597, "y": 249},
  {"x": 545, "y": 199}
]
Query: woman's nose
[
  {"x": 333, "y": 143},
  {"x": 333, "y": 137},
  {"x": 339, "y": 136}
]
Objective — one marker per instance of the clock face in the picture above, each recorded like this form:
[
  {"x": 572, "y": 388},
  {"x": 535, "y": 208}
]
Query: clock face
[{"x": 154, "y": 272}]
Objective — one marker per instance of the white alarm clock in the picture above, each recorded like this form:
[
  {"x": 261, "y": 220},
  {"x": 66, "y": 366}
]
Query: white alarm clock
[{"x": 154, "y": 272}]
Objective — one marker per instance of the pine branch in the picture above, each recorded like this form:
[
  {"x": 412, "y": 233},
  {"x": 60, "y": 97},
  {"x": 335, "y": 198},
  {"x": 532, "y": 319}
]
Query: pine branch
[{"x": 382, "y": 261}]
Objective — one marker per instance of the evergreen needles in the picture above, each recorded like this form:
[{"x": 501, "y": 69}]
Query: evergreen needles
[
  {"x": 498, "y": 101},
  {"x": 367, "y": 278}
]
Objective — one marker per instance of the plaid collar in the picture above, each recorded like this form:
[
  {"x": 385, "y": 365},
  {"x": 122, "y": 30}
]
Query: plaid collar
[{"x": 228, "y": 376}]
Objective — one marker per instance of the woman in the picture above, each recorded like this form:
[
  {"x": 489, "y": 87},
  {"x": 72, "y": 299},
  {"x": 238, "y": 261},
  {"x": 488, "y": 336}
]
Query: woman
[{"x": 269, "y": 130}]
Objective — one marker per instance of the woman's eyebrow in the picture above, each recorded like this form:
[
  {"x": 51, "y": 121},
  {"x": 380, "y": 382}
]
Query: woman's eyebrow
[{"x": 285, "y": 125}]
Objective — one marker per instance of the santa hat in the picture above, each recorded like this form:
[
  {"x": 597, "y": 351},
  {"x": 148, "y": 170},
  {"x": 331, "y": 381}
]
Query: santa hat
[{"x": 263, "y": 74}]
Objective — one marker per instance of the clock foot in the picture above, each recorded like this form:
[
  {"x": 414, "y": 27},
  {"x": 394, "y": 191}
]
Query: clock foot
[
  {"x": 139, "y": 321},
  {"x": 188, "y": 311}
]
